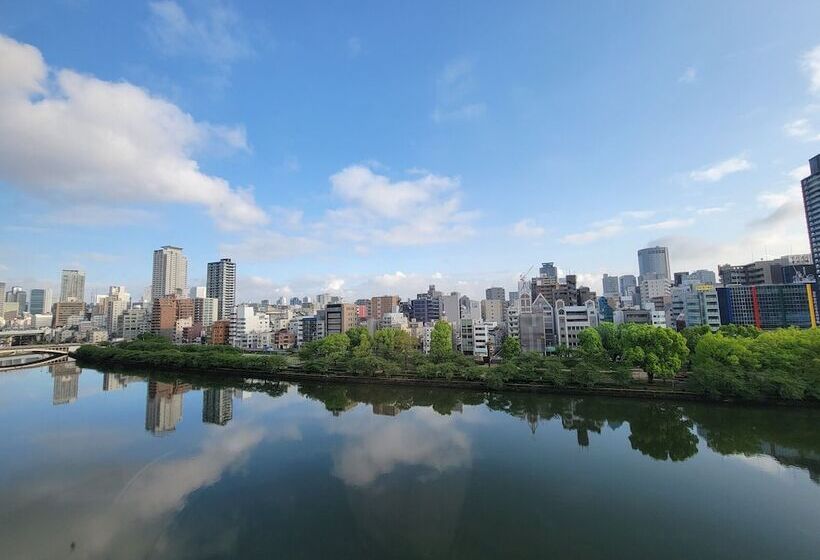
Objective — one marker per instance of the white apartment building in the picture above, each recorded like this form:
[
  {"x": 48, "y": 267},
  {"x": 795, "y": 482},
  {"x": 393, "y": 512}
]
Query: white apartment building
[
  {"x": 492, "y": 310},
  {"x": 570, "y": 320},
  {"x": 170, "y": 273},
  {"x": 249, "y": 329},
  {"x": 206, "y": 310}
]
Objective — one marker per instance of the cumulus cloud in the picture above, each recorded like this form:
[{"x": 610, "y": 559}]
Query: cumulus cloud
[
  {"x": 69, "y": 137},
  {"x": 419, "y": 211},
  {"x": 527, "y": 228},
  {"x": 721, "y": 169},
  {"x": 454, "y": 90}
]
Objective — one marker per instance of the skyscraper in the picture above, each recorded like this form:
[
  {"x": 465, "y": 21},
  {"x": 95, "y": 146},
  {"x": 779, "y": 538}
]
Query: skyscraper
[
  {"x": 548, "y": 270},
  {"x": 221, "y": 284},
  {"x": 495, "y": 293},
  {"x": 610, "y": 284},
  {"x": 654, "y": 260},
  {"x": 72, "y": 286},
  {"x": 811, "y": 202},
  {"x": 170, "y": 275},
  {"x": 628, "y": 283}
]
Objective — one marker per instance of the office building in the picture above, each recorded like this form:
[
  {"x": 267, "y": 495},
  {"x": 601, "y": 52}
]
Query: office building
[
  {"x": 221, "y": 284},
  {"x": 40, "y": 301},
  {"x": 72, "y": 286},
  {"x": 654, "y": 260},
  {"x": 198, "y": 292},
  {"x": 135, "y": 321},
  {"x": 536, "y": 327},
  {"x": 382, "y": 304},
  {"x": 811, "y": 202},
  {"x": 63, "y": 310},
  {"x": 610, "y": 285},
  {"x": 492, "y": 310},
  {"x": 548, "y": 270},
  {"x": 570, "y": 320},
  {"x": 364, "y": 308},
  {"x": 495, "y": 293},
  {"x": 569, "y": 291},
  {"x": 787, "y": 269},
  {"x": 339, "y": 318},
  {"x": 695, "y": 305},
  {"x": 768, "y": 306},
  {"x": 427, "y": 307},
  {"x": 170, "y": 274},
  {"x": 18, "y": 295},
  {"x": 628, "y": 284}
]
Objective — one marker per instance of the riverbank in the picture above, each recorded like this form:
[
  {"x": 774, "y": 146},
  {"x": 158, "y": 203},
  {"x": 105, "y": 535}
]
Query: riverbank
[{"x": 656, "y": 391}]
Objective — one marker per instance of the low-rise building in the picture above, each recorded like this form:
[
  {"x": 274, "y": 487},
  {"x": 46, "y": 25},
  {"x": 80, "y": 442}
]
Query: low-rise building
[
  {"x": 768, "y": 306},
  {"x": 572, "y": 319}
]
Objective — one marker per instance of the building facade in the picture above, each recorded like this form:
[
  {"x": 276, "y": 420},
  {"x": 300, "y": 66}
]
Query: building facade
[
  {"x": 654, "y": 260},
  {"x": 768, "y": 306},
  {"x": 72, "y": 286},
  {"x": 170, "y": 273},
  {"x": 221, "y": 285}
]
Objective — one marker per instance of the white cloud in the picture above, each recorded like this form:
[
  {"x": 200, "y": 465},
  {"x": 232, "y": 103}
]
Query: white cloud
[
  {"x": 218, "y": 36},
  {"x": 527, "y": 228},
  {"x": 799, "y": 128},
  {"x": 674, "y": 223},
  {"x": 79, "y": 139},
  {"x": 799, "y": 173},
  {"x": 419, "y": 211},
  {"x": 688, "y": 76},
  {"x": 721, "y": 169},
  {"x": 810, "y": 62},
  {"x": 712, "y": 210},
  {"x": 596, "y": 233},
  {"x": 269, "y": 245},
  {"x": 454, "y": 93}
]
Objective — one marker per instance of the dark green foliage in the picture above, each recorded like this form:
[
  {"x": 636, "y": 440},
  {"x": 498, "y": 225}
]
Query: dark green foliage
[{"x": 783, "y": 363}]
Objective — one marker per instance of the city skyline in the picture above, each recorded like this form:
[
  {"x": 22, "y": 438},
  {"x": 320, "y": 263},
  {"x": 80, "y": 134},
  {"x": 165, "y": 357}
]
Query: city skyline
[{"x": 465, "y": 165}]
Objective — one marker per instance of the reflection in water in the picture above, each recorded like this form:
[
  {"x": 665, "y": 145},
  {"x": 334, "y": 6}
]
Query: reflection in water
[
  {"x": 66, "y": 382},
  {"x": 163, "y": 407},
  {"x": 217, "y": 406}
]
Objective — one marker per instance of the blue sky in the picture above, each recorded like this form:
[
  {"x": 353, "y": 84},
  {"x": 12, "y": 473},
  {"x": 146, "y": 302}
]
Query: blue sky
[{"x": 375, "y": 147}]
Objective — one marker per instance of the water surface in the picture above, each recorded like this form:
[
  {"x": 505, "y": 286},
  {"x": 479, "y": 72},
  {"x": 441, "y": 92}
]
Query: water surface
[{"x": 106, "y": 465}]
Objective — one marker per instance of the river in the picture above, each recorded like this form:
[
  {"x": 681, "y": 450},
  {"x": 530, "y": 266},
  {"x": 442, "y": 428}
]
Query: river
[{"x": 109, "y": 465}]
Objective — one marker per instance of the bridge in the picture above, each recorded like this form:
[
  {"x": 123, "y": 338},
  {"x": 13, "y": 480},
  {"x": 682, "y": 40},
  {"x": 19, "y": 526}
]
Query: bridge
[
  {"x": 34, "y": 355},
  {"x": 8, "y": 337}
]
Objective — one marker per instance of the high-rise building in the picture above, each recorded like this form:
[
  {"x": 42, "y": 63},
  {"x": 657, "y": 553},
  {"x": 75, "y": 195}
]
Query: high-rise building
[
  {"x": 427, "y": 307},
  {"x": 381, "y": 305},
  {"x": 654, "y": 260},
  {"x": 787, "y": 269},
  {"x": 492, "y": 311},
  {"x": 628, "y": 283},
  {"x": 65, "y": 309},
  {"x": 18, "y": 295},
  {"x": 811, "y": 202},
  {"x": 548, "y": 270},
  {"x": 221, "y": 284},
  {"x": 495, "y": 293},
  {"x": 170, "y": 275},
  {"x": 197, "y": 292},
  {"x": 767, "y": 306},
  {"x": 72, "y": 286},
  {"x": 610, "y": 284}
]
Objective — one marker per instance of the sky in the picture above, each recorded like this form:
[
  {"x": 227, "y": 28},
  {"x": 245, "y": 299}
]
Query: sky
[{"x": 366, "y": 148}]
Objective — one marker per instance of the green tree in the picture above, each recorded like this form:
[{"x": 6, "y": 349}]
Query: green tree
[
  {"x": 334, "y": 347},
  {"x": 441, "y": 341},
  {"x": 659, "y": 352},
  {"x": 510, "y": 349}
]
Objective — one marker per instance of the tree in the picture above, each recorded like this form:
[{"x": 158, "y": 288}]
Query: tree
[
  {"x": 334, "y": 347},
  {"x": 610, "y": 339},
  {"x": 441, "y": 340},
  {"x": 589, "y": 341},
  {"x": 510, "y": 348},
  {"x": 659, "y": 352},
  {"x": 357, "y": 336}
]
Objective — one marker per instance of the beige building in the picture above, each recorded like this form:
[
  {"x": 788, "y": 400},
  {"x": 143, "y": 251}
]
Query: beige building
[
  {"x": 340, "y": 317},
  {"x": 382, "y": 304}
]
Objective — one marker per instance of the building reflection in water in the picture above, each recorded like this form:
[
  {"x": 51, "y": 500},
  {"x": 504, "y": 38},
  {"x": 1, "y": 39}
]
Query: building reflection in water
[
  {"x": 117, "y": 381},
  {"x": 217, "y": 406},
  {"x": 163, "y": 407},
  {"x": 66, "y": 382}
]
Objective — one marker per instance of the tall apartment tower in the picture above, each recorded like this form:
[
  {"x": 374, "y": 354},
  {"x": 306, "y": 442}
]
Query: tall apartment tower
[
  {"x": 811, "y": 201},
  {"x": 170, "y": 275},
  {"x": 72, "y": 286},
  {"x": 654, "y": 261},
  {"x": 221, "y": 284}
]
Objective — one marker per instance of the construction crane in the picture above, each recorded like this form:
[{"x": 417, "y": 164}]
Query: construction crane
[{"x": 523, "y": 277}]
